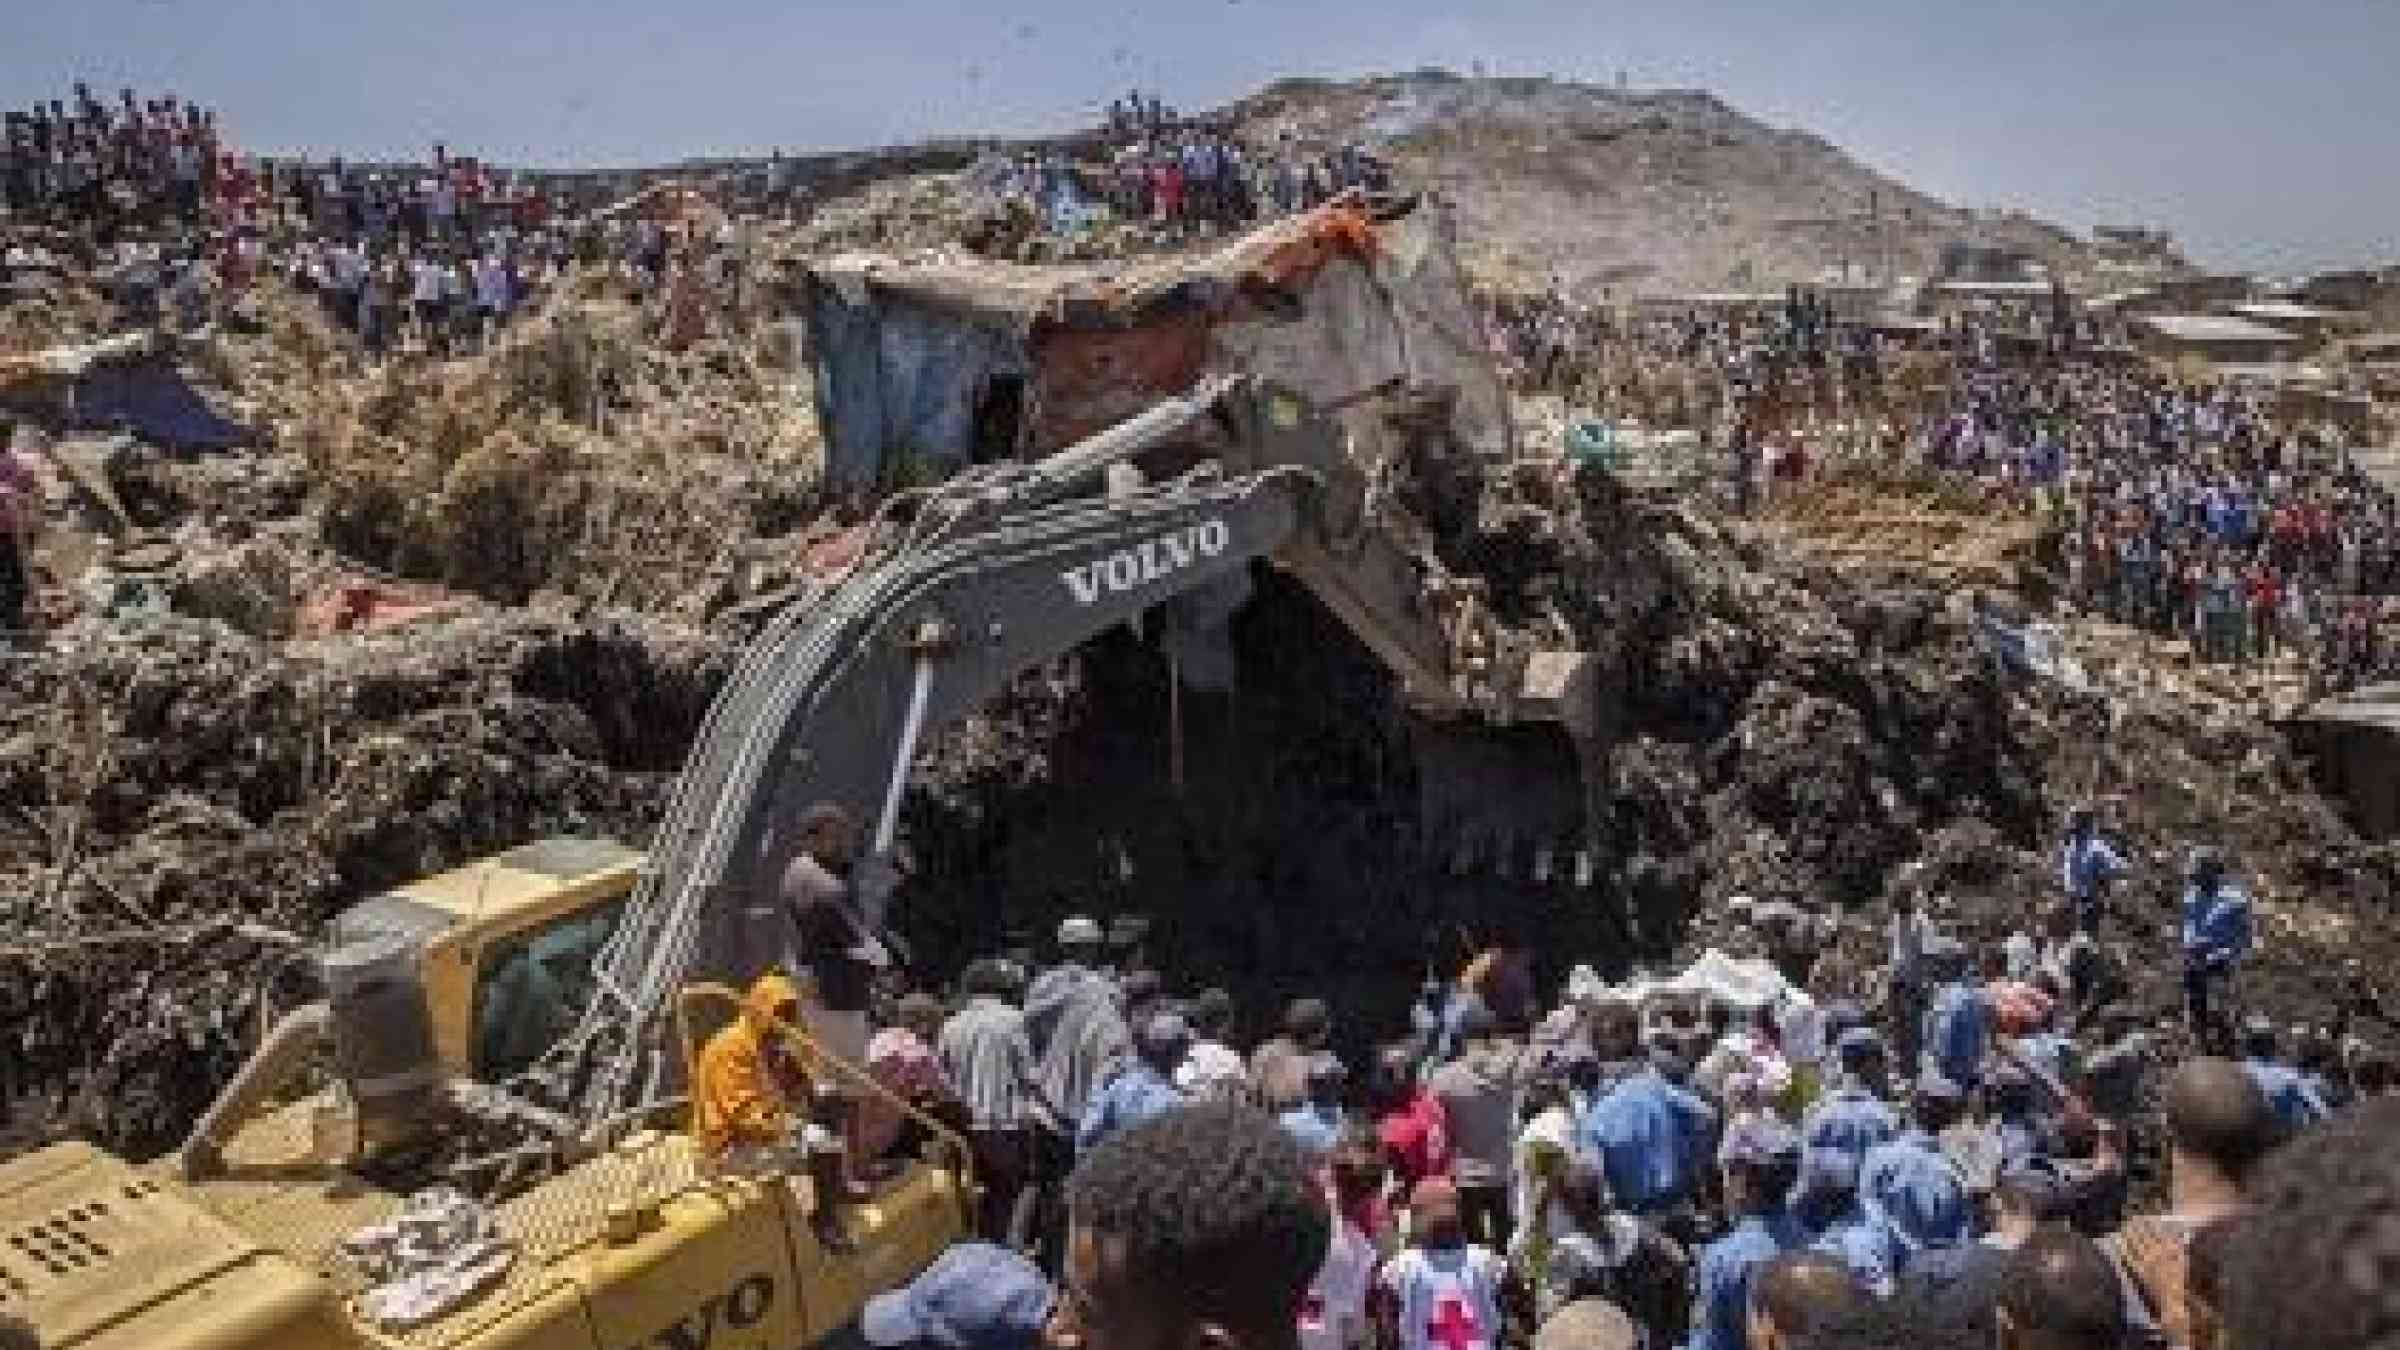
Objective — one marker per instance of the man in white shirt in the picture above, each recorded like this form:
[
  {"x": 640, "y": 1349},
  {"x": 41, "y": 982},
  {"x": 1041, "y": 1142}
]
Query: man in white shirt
[
  {"x": 427, "y": 280},
  {"x": 1212, "y": 1069},
  {"x": 492, "y": 297}
]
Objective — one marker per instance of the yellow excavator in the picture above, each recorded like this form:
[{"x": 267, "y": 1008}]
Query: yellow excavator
[{"x": 520, "y": 1031}]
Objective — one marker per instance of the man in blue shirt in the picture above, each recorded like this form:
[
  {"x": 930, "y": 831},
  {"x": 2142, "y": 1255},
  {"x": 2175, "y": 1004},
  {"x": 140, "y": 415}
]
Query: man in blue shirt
[
  {"x": 1317, "y": 1123},
  {"x": 1852, "y": 1117},
  {"x": 1761, "y": 1158},
  {"x": 1958, "y": 1019},
  {"x": 1651, "y": 1138},
  {"x": 1909, "y": 1185},
  {"x": 2294, "y": 1101},
  {"x": 1825, "y": 1206},
  {"x": 2216, "y": 937},
  {"x": 1144, "y": 1088},
  {"x": 2087, "y": 864}
]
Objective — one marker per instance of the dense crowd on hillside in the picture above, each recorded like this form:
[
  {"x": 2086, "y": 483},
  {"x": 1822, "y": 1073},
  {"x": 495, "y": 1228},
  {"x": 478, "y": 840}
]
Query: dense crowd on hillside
[
  {"x": 433, "y": 257},
  {"x": 1179, "y": 175}
]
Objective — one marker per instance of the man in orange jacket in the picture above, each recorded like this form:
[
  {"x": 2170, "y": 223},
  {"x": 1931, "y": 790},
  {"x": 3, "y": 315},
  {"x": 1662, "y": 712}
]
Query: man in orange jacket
[{"x": 752, "y": 1099}]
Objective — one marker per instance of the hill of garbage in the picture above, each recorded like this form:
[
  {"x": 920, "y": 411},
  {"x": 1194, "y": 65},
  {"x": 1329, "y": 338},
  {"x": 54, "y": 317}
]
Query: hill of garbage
[{"x": 429, "y": 608}]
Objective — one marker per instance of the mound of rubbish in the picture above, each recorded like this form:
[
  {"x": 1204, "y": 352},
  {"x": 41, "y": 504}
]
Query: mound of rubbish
[
  {"x": 577, "y": 456},
  {"x": 180, "y": 803},
  {"x": 1785, "y": 731}
]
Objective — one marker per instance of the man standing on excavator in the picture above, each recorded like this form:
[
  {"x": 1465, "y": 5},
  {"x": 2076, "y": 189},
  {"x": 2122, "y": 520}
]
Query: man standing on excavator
[{"x": 835, "y": 946}]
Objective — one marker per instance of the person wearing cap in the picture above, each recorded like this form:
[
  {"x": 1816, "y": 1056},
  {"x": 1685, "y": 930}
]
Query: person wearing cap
[
  {"x": 2087, "y": 865},
  {"x": 1075, "y": 1022},
  {"x": 975, "y": 1296},
  {"x": 1317, "y": 1123},
  {"x": 1760, "y": 1159},
  {"x": 1910, "y": 1185},
  {"x": 1851, "y": 1117},
  {"x": 1142, "y": 1089},
  {"x": 1279, "y": 1066},
  {"x": 1080, "y": 942},
  {"x": 1128, "y": 937},
  {"x": 1213, "y": 1070},
  {"x": 1824, "y": 1202},
  {"x": 1442, "y": 1292},
  {"x": 1958, "y": 1017},
  {"x": 1651, "y": 1138},
  {"x": 2217, "y": 936},
  {"x": 2295, "y": 1104}
]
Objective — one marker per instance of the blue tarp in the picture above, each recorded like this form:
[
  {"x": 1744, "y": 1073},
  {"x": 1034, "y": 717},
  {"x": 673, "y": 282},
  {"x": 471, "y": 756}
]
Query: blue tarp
[{"x": 152, "y": 400}]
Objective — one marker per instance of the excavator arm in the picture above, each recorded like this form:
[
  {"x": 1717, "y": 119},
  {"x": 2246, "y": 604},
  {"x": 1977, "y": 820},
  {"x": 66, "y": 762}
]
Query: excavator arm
[{"x": 997, "y": 572}]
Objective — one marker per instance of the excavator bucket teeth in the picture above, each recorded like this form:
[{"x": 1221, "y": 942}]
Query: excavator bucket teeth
[{"x": 1508, "y": 802}]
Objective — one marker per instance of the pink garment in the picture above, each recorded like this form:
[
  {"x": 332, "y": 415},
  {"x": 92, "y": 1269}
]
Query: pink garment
[{"x": 903, "y": 1063}]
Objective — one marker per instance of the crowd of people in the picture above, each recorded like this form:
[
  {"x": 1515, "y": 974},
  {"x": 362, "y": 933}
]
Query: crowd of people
[
  {"x": 2187, "y": 510},
  {"x": 1987, "y": 1143},
  {"x": 2193, "y": 509},
  {"x": 1181, "y": 175},
  {"x": 436, "y": 258},
  {"x": 131, "y": 163}
]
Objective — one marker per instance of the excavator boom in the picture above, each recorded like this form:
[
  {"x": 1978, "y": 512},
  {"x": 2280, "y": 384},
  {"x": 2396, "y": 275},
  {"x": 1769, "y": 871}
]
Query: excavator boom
[{"x": 997, "y": 572}]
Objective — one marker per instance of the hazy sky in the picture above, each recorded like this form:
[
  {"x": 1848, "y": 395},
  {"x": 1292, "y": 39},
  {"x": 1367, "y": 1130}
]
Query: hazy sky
[{"x": 2268, "y": 135}]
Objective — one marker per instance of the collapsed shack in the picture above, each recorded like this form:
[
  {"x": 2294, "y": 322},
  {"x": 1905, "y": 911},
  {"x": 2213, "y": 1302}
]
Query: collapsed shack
[{"x": 923, "y": 369}]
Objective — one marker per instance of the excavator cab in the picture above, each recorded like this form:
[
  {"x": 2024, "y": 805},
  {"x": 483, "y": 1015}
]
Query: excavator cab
[{"x": 505, "y": 946}]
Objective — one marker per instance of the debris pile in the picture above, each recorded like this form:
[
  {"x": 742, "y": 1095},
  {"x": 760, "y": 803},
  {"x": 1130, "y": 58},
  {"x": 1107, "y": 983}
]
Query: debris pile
[
  {"x": 164, "y": 785},
  {"x": 441, "y": 607}
]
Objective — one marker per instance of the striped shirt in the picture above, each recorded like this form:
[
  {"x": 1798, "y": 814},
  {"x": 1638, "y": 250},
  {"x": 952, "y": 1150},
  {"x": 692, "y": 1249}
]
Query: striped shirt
[{"x": 984, "y": 1051}]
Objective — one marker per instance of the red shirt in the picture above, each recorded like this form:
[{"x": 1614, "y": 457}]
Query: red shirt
[{"x": 1416, "y": 1137}]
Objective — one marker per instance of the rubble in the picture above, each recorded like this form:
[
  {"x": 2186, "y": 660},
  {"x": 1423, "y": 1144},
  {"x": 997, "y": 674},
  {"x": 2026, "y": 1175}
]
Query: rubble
[{"x": 439, "y": 608}]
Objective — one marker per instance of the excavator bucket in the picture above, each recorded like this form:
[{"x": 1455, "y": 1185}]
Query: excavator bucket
[
  {"x": 1501, "y": 790},
  {"x": 1502, "y": 801}
]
